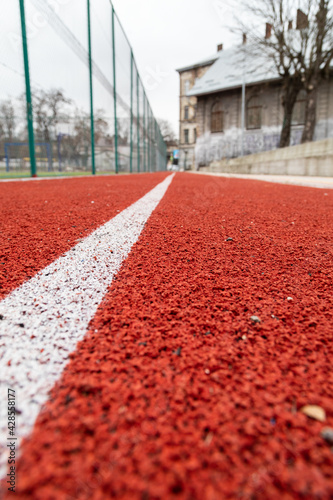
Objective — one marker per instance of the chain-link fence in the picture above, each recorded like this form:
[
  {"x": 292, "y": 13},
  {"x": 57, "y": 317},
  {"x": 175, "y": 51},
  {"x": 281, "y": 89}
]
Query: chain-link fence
[{"x": 68, "y": 66}]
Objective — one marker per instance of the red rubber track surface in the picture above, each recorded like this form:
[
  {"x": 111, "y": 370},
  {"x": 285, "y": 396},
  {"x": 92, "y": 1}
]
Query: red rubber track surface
[
  {"x": 175, "y": 393},
  {"x": 40, "y": 220}
]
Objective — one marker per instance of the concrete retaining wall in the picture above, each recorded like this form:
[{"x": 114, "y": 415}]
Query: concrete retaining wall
[{"x": 312, "y": 159}]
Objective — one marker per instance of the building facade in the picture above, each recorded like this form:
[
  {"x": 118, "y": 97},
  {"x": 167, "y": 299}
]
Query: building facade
[
  {"x": 220, "y": 130},
  {"x": 188, "y": 109}
]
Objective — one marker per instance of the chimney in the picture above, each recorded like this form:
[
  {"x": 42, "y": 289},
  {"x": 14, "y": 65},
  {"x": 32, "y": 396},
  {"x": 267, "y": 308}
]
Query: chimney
[
  {"x": 244, "y": 38},
  {"x": 301, "y": 20},
  {"x": 268, "y": 31},
  {"x": 220, "y": 47}
]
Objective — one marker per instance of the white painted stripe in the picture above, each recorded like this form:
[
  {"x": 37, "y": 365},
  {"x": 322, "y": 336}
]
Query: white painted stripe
[
  {"x": 64, "y": 177},
  {"x": 295, "y": 180},
  {"x": 55, "y": 308}
]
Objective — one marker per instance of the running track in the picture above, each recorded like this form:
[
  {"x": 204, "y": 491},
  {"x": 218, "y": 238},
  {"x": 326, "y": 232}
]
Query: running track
[{"x": 172, "y": 391}]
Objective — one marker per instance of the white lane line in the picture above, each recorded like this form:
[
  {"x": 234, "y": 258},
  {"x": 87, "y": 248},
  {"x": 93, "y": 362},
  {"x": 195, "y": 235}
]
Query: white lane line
[
  {"x": 63, "y": 177},
  {"x": 43, "y": 319},
  {"x": 295, "y": 180}
]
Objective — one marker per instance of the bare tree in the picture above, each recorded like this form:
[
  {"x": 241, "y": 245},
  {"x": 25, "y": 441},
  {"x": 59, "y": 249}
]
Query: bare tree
[
  {"x": 76, "y": 146},
  {"x": 123, "y": 131},
  {"x": 167, "y": 131},
  {"x": 8, "y": 120},
  {"x": 49, "y": 111},
  {"x": 315, "y": 56},
  {"x": 300, "y": 53}
]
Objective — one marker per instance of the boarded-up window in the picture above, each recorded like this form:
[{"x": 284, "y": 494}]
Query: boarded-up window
[
  {"x": 298, "y": 116},
  {"x": 253, "y": 113},
  {"x": 217, "y": 118}
]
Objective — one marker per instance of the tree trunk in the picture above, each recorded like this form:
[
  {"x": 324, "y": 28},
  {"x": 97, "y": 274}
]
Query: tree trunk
[
  {"x": 291, "y": 90},
  {"x": 286, "y": 128},
  {"x": 310, "y": 113}
]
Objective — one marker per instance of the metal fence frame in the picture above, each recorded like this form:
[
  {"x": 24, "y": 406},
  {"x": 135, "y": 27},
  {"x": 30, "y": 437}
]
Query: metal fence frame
[{"x": 150, "y": 146}]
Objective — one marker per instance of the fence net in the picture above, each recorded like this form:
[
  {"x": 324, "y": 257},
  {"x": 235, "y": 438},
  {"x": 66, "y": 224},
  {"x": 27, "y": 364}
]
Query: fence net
[
  {"x": 90, "y": 110},
  {"x": 12, "y": 101}
]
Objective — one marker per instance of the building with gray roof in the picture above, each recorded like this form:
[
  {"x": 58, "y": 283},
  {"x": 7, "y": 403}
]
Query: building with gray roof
[{"x": 218, "y": 104}]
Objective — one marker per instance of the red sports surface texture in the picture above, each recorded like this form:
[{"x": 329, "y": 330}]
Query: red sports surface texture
[
  {"x": 40, "y": 220},
  {"x": 175, "y": 393}
]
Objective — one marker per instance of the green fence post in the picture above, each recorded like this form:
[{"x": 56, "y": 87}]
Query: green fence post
[
  {"x": 151, "y": 141},
  {"x": 131, "y": 133},
  {"x": 155, "y": 145},
  {"x": 158, "y": 147},
  {"x": 92, "y": 125},
  {"x": 144, "y": 132},
  {"x": 115, "y": 93},
  {"x": 152, "y": 144},
  {"x": 148, "y": 134},
  {"x": 33, "y": 166},
  {"x": 138, "y": 117},
  {"x": 146, "y": 127}
]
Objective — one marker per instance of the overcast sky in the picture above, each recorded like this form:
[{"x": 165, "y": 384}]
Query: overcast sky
[{"x": 168, "y": 34}]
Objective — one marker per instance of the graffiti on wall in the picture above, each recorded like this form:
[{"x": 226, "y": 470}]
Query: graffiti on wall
[{"x": 215, "y": 147}]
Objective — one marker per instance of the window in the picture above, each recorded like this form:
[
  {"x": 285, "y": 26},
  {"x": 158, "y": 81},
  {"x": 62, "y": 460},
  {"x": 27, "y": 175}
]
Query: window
[
  {"x": 186, "y": 136},
  {"x": 195, "y": 135},
  {"x": 186, "y": 113},
  {"x": 298, "y": 116},
  {"x": 187, "y": 86},
  {"x": 253, "y": 113},
  {"x": 217, "y": 118}
]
